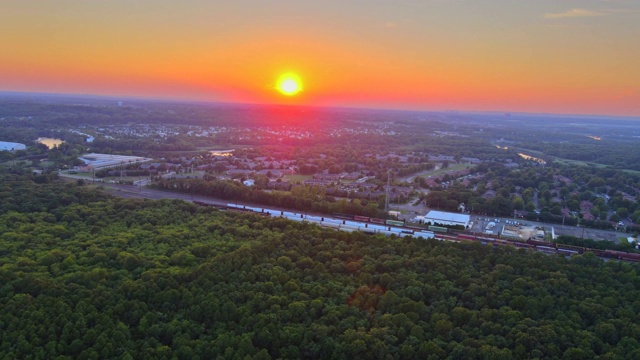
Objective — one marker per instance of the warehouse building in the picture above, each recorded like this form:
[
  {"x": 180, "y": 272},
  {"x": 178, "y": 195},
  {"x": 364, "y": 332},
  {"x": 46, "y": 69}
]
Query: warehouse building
[
  {"x": 105, "y": 161},
  {"x": 447, "y": 218}
]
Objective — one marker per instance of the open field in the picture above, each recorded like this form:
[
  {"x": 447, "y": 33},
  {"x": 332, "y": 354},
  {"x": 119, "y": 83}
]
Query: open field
[
  {"x": 297, "y": 178},
  {"x": 428, "y": 173},
  {"x": 563, "y": 161}
]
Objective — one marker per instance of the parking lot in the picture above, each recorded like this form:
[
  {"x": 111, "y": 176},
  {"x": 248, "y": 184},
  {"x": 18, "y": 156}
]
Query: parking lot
[{"x": 480, "y": 223}]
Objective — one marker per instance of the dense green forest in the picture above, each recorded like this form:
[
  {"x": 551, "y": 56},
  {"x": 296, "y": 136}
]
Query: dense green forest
[{"x": 87, "y": 276}]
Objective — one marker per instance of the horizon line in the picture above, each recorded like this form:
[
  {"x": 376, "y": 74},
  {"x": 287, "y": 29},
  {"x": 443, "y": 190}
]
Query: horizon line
[{"x": 179, "y": 100}]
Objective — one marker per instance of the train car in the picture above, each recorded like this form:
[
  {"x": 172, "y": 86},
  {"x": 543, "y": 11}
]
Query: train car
[
  {"x": 377, "y": 221},
  {"x": 349, "y": 228},
  {"x": 597, "y": 252},
  {"x": 254, "y": 209},
  {"x": 424, "y": 234},
  {"x": 354, "y": 223},
  {"x": 546, "y": 249},
  {"x": 635, "y": 257},
  {"x": 313, "y": 218},
  {"x": 396, "y": 229},
  {"x": 567, "y": 252},
  {"x": 330, "y": 224},
  {"x": 377, "y": 227},
  {"x": 486, "y": 240},
  {"x": 343, "y": 216},
  {"x": 540, "y": 243},
  {"x": 438, "y": 229},
  {"x": 578, "y": 249},
  {"x": 466, "y": 237},
  {"x": 361, "y": 218},
  {"x": 238, "y": 209},
  {"x": 394, "y": 222},
  {"x": 446, "y": 237},
  {"x": 415, "y": 227},
  {"x": 399, "y": 232},
  {"x": 294, "y": 218},
  {"x": 334, "y": 221},
  {"x": 523, "y": 245},
  {"x": 290, "y": 214}
]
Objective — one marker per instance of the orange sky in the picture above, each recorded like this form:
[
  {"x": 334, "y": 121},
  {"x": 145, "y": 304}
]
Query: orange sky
[{"x": 574, "y": 56}]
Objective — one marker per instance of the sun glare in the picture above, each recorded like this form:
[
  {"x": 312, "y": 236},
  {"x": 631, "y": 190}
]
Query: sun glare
[{"x": 289, "y": 84}]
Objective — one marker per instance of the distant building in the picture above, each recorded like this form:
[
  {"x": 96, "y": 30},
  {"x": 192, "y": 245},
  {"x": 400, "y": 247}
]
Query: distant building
[
  {"x": 105, "y": 161},
  {"x": 447, "y": 218},
  {"x": 11, "y": 146}
]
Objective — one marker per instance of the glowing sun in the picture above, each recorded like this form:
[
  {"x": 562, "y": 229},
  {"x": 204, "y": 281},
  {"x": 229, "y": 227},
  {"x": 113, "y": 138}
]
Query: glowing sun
[{"x": 289, "y": 84}]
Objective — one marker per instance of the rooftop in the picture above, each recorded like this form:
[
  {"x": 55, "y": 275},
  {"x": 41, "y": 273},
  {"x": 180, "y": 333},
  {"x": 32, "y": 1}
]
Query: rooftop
[
  {"x": 100, "y": 161},
  {"x": 447, "y": 216}
]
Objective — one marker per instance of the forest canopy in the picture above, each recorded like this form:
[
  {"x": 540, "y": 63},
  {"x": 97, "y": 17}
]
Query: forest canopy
[{"x": 88, "y": 276}]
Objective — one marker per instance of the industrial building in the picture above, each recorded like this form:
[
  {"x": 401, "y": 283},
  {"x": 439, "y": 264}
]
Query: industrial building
[
  {"x": 447, "y": 218},
  {"x": 105, "y": 161},
  {"x": 11, "y": 146}
]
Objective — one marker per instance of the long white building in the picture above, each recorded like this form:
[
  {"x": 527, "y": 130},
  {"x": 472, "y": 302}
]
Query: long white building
[
  {"x": 11, "y": 146},
  {"x": 447, "y": 218},
  {"x": 104, "y": 161}
]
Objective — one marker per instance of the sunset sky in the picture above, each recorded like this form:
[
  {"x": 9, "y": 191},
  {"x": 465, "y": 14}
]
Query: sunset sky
[{"x": 552, "y": 56}]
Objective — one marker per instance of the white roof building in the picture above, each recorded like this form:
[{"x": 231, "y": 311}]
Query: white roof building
[
  {"x": 447, "y": 218},
  {"x": 104, "y": 161},
  {"x": 11, "y": 146}
]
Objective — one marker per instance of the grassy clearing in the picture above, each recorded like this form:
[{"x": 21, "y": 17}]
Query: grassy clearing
[
  {"x": 428, "y": 173},
  {"x": 563, "y": 161},
  {"x": 297, "y": 178}
]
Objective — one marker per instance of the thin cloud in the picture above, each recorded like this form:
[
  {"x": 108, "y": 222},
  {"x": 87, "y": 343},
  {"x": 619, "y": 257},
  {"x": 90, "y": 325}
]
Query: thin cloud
[{"x": 573, "y": 13}]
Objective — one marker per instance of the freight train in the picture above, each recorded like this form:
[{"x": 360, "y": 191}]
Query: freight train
[
  {"x": 342, "y": 222},
  {"x": 369, "y": 225},
  {"x": 544, "y": 247}
]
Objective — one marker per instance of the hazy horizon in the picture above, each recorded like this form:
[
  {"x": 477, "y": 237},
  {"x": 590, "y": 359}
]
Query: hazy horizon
[
  {"x": 124, "y": 99},
  {"x": 570, "y": 57}
]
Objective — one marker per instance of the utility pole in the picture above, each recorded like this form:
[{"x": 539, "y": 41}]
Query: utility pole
[{"x": 386, "y": 198}]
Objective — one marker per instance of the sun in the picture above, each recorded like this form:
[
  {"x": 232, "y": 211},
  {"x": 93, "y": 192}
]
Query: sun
[{"x": 289, "y": 84}]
